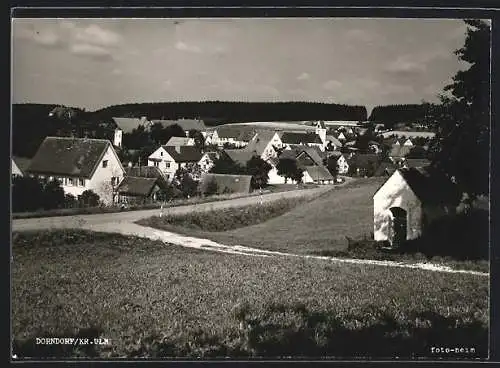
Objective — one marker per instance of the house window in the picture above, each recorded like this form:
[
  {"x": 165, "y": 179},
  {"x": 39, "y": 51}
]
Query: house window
[
  {"x": 114, "y": 180},
  {"x": 105, "y": 163},
  {"x": 155, "y": 163},
  {"x": 81, "y": 182},
  {"x": 161, "y": 153},
  {"x": 167, "y": 164},
  {"x": 72, "y": 181}
]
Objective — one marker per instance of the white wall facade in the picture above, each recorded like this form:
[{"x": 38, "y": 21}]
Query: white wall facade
[
  {"x": 274, "y": 178},
  {"x": 162, "y": 160},
  {"x": 15, "y": 169},
  {"x": 342, "y": 165},
  {"x": 396, "y": 193},
  {"x": 117, "y": 140},
  {"x": 205, "y": 163},
  {"x": 101, "y": 181}
]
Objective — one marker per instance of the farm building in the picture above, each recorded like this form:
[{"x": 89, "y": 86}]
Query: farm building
[
  {"x": 226, "y": 183},
  {"x": 409, "y": 201},
  {"x": 317, "y": 175},
  {"x": 140, "y": 190}
]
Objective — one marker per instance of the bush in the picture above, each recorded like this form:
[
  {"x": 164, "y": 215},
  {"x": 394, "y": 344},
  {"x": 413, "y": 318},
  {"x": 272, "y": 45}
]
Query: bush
[
  {"x": 212, "y": 187},
  {"x": 53, "y": 195},
  {"x": 89, "y": 199},
  {"x": 27, "y": 194}
]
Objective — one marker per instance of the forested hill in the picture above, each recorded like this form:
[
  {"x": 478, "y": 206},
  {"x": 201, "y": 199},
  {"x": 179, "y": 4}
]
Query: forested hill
[
  {"x": 218, "y": 112},
  {"x": 393, "y": 114}
]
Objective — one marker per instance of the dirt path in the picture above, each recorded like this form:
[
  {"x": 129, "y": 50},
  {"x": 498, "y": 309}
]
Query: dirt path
[{"x": 209, "y": 245}]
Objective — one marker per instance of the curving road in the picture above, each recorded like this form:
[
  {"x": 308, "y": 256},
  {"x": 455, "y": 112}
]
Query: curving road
[{"x": 84, "y": 221}]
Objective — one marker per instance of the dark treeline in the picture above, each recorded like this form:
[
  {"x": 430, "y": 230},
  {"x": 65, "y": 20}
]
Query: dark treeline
[
  {"x": 219, "y": 112},
  {"x": 394, "y": 114}
]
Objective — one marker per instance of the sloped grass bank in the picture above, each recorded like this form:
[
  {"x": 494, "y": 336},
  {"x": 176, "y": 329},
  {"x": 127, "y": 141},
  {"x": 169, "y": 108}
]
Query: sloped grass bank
[
  {"x": 152, "y": 299},
  {"x": 224, "y": 219}
]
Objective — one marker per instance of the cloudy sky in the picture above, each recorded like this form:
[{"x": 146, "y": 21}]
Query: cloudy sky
[{"x": 94, "y": 63}]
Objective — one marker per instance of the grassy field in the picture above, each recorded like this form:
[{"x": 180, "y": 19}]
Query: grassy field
[
  {"x": 316, "y": 226},
  {"x": 156, "y": 300}
]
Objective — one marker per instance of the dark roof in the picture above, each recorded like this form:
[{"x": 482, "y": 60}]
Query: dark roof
[
  {"x": 68, "y": 156},
  {"x": 136, "y": 186},
  {"x": 260, "y": 141},
  {"x": 144, "y": 172},
  {"x": 431, "y": 186},
  {"x": 129, "y": 124},
  {"x": 242, "y": 133},
  {"x": 318, "y": 172},
  {"x": 235, "y": 183},
  {"x": 185, "y": 124},
  {"x": 417, "y": 162},
  {"x": 312, "y": 154},
  {"x": 184, "y": 153},
  {"x": 22, "y": 163},
  {"x": 363, "y": 160},
  {"x": 240, "y": 156},
  {"x": 300, "y": 138}
]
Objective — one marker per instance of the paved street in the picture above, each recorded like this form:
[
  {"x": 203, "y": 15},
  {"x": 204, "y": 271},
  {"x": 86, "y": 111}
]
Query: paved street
[{"x": 82, "y": 221}]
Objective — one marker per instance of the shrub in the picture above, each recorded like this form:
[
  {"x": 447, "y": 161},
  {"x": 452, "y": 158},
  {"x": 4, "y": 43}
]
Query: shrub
[
  {"x": 89, "y": 199},
  {"x": 212, "y": 187}
]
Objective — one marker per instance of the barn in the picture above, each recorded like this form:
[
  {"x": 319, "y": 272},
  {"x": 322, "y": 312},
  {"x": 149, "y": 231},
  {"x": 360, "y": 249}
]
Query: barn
[{"x": 409, "y": 201}]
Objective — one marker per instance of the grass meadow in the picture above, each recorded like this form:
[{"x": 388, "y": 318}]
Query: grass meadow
[{"x": 157, "y": 300}]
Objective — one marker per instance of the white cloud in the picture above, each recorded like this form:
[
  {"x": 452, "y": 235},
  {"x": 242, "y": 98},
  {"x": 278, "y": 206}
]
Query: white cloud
[
  {"x": 332, "y": 85},
  {"x": 406, "y": 65},
  {"x": 303, "y": 76},
  {"x": 92, "y": 51},
  {"x": 182, "y": 46},
  {"x": 46, "y": 38},
  {"x": 95, "y": 35}
]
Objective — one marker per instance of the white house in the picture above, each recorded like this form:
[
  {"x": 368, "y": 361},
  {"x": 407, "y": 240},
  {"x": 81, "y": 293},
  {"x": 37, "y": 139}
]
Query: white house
[
  {"x": 408, "y": 142},
  {"x": 79, "y": 164},
  {"x": 263, "y": 144},
  {"x": 207, "y": 161},
  {"x": 237, "y": 135},
  {"x": 342, "y": 165},
  {"x": 169, "y": 159},
  {"x": 409, "y": 201}
]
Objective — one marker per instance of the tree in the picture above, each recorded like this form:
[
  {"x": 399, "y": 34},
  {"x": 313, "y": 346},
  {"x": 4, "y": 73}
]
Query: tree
[
  {"x": 417, "y": 152},
  {"x": 53, "y": 195},
  {"x": 161, "y": 135},
  {"x": 27, "y": 194},
  {"x": 462, "y": 147},
  {"x": 331, "y": 165},
  {"x": 259, "y": 169},
  {"x": 288, "y": 168},
  {"x": 185, "y": 183},
  {"x": 225, "y": 165},
  {"x": 199, "y": 139}
]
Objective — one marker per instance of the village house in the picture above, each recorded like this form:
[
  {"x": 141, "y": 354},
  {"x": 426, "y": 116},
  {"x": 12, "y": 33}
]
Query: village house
[
  {"x": 342, "y": 164},
  {"x": 301, "y": 138},
  {"x": 237, "y": 135},
  {"x": 207, "y": 161},
  {"x": 408, "y": 142},
  {"x": 409, "y": 201},
  {"x": 79, "y": 164},
  {"x": 170, "y": 158},
  {"x": 398, "y": 153},
  {"x": 140, "y": 190},
  {"x": 264, "y": 144},
  {"x": 317, "y": 174},
  {"x": 333, "y": 143}
]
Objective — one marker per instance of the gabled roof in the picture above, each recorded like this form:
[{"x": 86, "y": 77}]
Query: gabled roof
[
  {"x": 431, "y": 186},
  {"x": 144, "y": 172},
  {"x": 76, "y": 157},
  {"x": 313, "y": 154},
  {"x": 300, "y": 138},
  {"x": 184, "y": 153},
  {"x": 185, "y": 124},
  {"x": 235, "y": 183},
  {"x": 242, "y": 133},
  {"x": 180, "y": 141},
  {"x": 129, "y": 124},
  {"x": 136, "y": 186},
  {"x": 399, "y": 151},
  {"x": 318, "y": 172},
  {"x": 240, "y": 156},
  {"x": 260, "y": 141}
]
